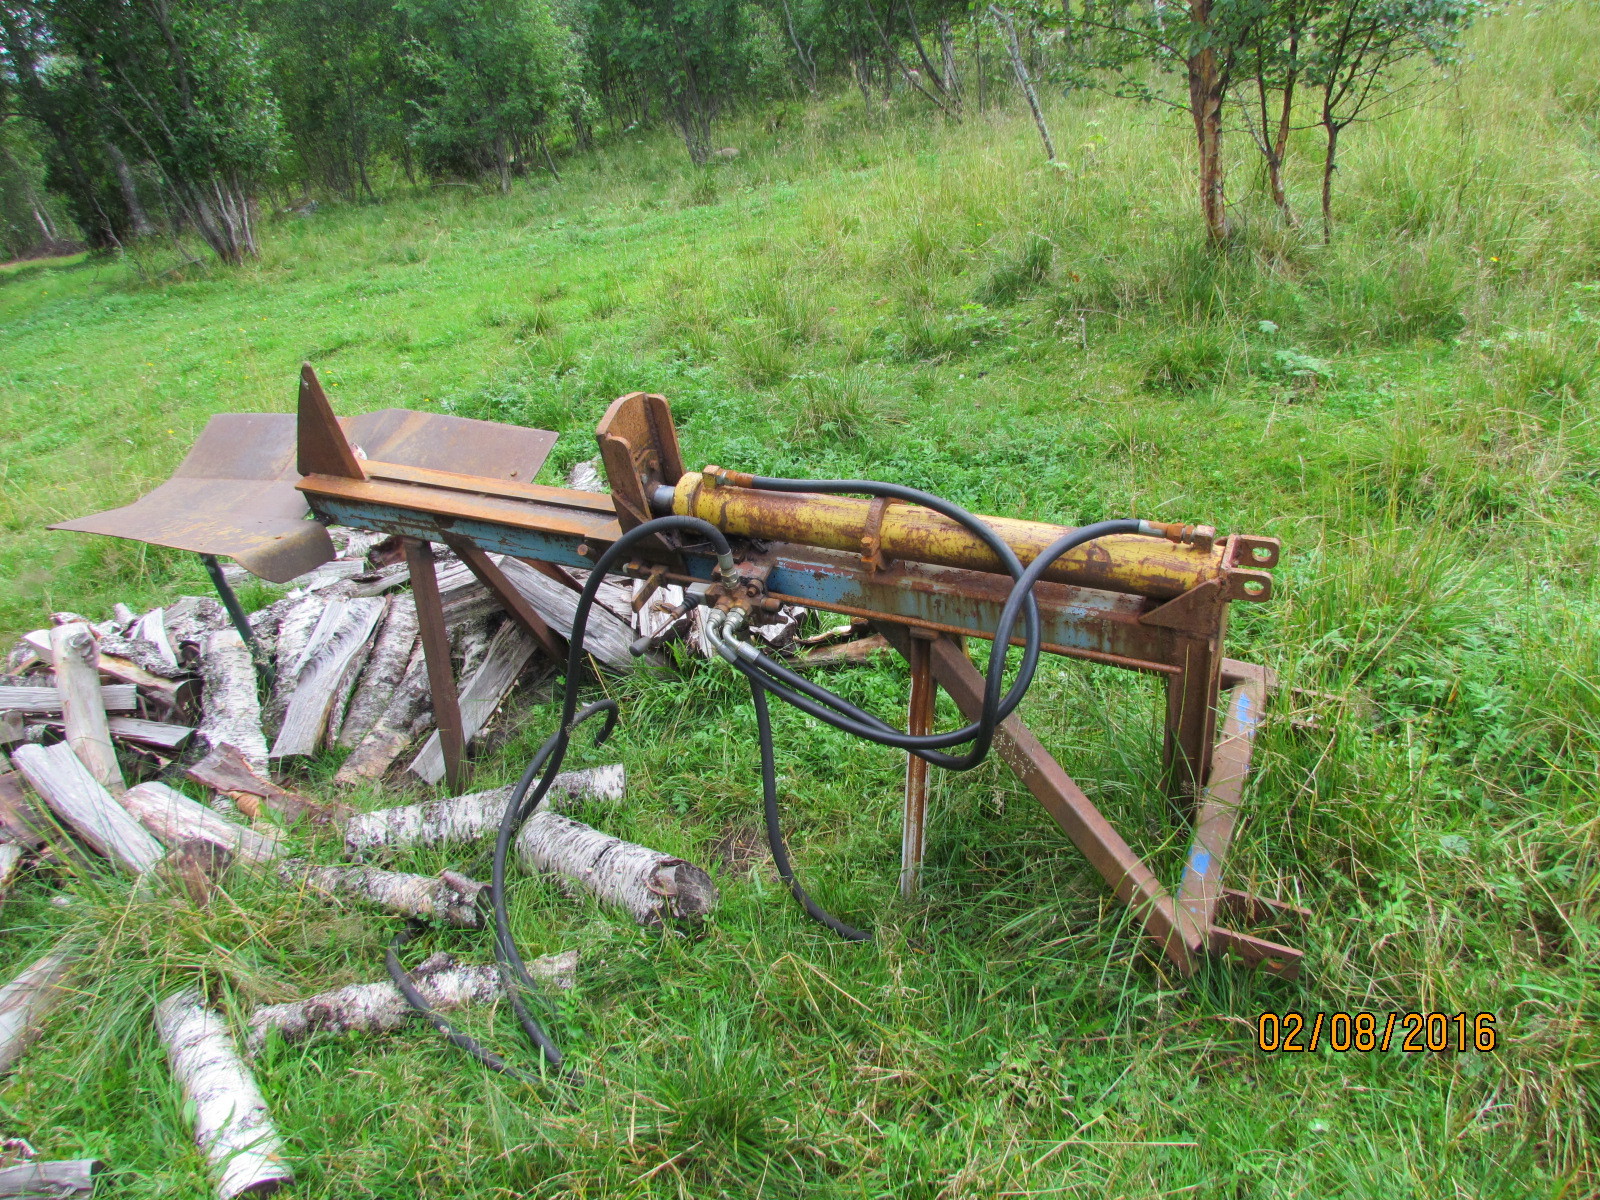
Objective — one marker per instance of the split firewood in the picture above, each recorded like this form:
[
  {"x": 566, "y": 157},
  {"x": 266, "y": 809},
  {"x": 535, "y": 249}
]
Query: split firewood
[
  {"x": 123, "y": 616},
  {"x": 20, "y": 822},
  {"x": 781, "y": 629},
  {"x": 857, "y": 651},
  {"x": 394, "y": 730},
  {"x": 231, "y": 706},
  {"x": 10, "y": 863},
  {"x": 75, "y": 796},
  {"x": 653, "y": 618},
  {"x": 355, "y": 666},
  {"x": 157, "y": 735},
  {"x": 169, "y": 695},
  {"x": 608, "y": 636},
  {"x": 12, "y": 727},
  {"x": 475, "y": 817},
  {"x": 447, "y": 897},
  {"x": 586, "y": 477},
  {"x": 152, "y": 628},
  {"x": 355, "y": 544},
  {"x": 231, "y": 1123},
  {"x": 328, "y": 574},
  {"x": 339, "y": 638},
  {"x": 141, "y": 659},
  {"x": 27, "y": 1000},
  {"x": 650, "y": 885},
  {"x": 461, "y": 595},
  {"x": 225, "y": 771},
  {"x": 386, "y": 665},
  {"x": 615, "y": 593},
  {"x": 175, "y": 819},
  {"x": 196, "y": 867},
  {"x": 295, "y": 627},
  {"x": 375, "y": 583},
  {"x": 469, "y": 642},
  {"x": 57, "y": 1180},
  {"x": 46, "y": 701},
  {"x": 189, "y": 618},
  {"x": 380, "y": 1008},
  {"x": 503, "y": 664}
]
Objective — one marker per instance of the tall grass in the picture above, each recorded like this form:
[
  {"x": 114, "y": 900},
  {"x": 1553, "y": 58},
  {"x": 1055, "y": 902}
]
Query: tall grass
[{"x": 1410, "y": 409}]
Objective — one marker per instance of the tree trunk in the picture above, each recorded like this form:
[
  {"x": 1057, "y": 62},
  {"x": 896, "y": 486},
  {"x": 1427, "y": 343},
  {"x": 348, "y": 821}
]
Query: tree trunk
[
  {"x": 138, "y": 219},
  {"x": 947, "y": 49},
  {"x": 231, "y": 1123},
  {"x": 1208, "y": 85},
  {"x": 1024, "y": 81},
  {"x": 1329, "y": 162}
]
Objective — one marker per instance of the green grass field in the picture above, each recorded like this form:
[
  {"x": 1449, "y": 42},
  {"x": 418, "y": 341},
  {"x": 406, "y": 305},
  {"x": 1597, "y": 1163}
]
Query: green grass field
[{"x": 1411, "y": 410}]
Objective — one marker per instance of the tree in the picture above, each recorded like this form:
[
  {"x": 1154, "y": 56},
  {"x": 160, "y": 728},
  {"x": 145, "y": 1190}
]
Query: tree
[
  {"x": 1360, "y": 58},
  {"x": 1273, "y": 60},
  {"x": 491, "y": 74},
  {"x": 183, "y": 81}
]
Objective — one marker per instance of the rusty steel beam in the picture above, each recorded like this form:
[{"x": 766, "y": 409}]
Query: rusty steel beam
[
  {"x": 436, "y": 651},
  {"x": 919, "y": 721}
]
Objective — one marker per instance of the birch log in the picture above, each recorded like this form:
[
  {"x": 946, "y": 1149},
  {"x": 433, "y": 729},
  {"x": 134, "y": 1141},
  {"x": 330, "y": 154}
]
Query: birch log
[
  {"x": 472, "y": 818},
  {"x": 20, "y": 822},
  {"x": 73, "y": 650},
  {"x": 502, "y": 666},
  {"x": 152, "y": 628},
  {"x": 230, "y": 704},
  {"x": 386, "y": 667},
  {"x": 79, "y": 800},
  {"x": 174, "y": 819},
  {"x": 393, "y": 730},
  {"x": 447, "y": 897},
  {"x": 650, "y": 885},
  {"x": 10, "y": 862},
  {"x": 231, "y": 1123},
  {"x": 57, "y": 1180},
  {"x": 340, "y": 636},
  {"x": 380, "y": 1008},
  {"x": 27, "y": 1000}
]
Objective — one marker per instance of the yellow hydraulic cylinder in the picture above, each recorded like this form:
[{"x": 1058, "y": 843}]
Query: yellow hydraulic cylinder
[{"x": 883, "y": 531}]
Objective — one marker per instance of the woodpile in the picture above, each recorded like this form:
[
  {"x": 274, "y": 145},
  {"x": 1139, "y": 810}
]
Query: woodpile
[{"x": 146, "y": 745}]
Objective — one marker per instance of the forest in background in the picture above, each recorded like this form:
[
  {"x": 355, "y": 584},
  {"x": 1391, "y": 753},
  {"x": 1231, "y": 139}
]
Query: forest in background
[{"x": 122, "y": 121}]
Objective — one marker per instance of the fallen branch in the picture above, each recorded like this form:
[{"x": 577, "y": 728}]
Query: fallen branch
[
  {"x": 474, "y": 817},
  {"x": 648, "y": 884},
  {"x": 230, "y": 705},
  {"x": 75, "y": 796},
  {"x": 25, "y": 1002},
  {"x": 231, "y": 1123},
  {"x": 447, "y": 897},
  {"x": 175, "y": 819},
  {"x": 380, "y": 1008}
]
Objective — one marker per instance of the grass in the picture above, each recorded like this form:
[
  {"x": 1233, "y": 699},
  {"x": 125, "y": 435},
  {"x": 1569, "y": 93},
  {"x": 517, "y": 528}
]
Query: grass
[{"x": 1410, "y": 410}]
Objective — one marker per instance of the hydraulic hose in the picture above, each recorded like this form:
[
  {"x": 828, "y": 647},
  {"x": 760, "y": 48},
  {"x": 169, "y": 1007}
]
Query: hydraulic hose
[{"x": 764, "y": 675}]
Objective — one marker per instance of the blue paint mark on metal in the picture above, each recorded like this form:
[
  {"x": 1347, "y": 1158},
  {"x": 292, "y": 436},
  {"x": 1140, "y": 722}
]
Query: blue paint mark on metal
[{"x": 1199, "y": 862}]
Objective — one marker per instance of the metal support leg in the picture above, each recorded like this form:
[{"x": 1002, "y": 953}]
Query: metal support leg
[
  {"x": 436, "y": 650},
  {"x": 913, "y": 830},
  {"x": 236, "y": 613},
  {"x": 1191, "y": 729}
]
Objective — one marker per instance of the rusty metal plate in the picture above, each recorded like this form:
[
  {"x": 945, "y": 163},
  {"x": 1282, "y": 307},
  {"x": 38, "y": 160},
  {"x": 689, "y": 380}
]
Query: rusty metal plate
[{"x": 235, "y": 494}]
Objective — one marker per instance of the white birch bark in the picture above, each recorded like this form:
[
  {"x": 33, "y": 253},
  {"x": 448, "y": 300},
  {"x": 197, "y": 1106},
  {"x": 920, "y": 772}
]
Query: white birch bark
[
  {"x": 80, "y": 801},
  {"x": 447, "y": 897},
  {"x": 232, "y": 1126},
  {"x": 386, "y": 666},
  {"x": 152, "y": 628},
  {"x": 474, "y": 817},
  {"x": 650, "y": 885},
  {"x": 230, "y": 706},
  {"x": 295, "y": 627},
  {"x": 380, "y": 1008},
  {"x": 344, "y": 687},
  {"x": 608, "y": 636},
  {"x": 174, "y": 818},
  {"x": 503, "y": 664},
  {"x": 74, "y": 652},
  {"x": 46, "y": 701},
  {"x": 27, "y": 1000}
]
